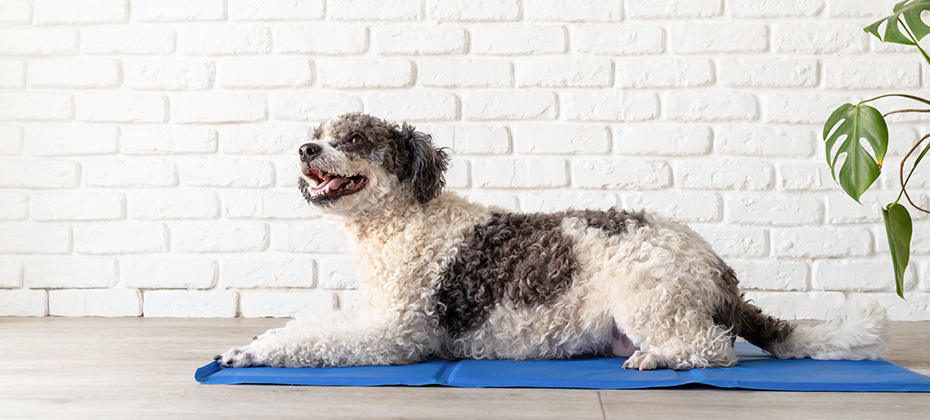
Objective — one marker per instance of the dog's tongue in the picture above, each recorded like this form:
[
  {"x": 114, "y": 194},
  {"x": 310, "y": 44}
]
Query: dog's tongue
[{"x": 333, "y": 184}]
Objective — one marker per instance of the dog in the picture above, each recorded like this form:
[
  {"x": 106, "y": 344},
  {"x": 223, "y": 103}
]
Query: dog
[{"x": 448, "y": 278}]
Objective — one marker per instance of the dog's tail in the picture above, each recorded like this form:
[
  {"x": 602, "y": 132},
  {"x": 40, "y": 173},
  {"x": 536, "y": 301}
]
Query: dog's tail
[{"x": 859, "y": 333}]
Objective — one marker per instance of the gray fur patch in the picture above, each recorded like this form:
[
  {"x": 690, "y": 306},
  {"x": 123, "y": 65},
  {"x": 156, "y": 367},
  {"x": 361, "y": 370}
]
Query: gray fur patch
[{"x": 524, "y": 259}]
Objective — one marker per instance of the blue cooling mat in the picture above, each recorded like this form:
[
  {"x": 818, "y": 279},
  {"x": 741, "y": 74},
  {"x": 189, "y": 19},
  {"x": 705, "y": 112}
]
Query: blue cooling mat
[{"x": 755, "y": 370}]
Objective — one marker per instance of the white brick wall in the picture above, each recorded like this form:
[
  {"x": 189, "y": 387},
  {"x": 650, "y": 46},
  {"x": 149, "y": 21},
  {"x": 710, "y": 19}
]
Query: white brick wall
[{"x": 147, "y": 146}]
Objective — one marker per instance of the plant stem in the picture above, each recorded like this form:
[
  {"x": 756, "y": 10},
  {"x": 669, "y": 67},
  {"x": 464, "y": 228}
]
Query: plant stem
[
  {"x": 901, "y": 111},
  {"x": 916, "y": 98},
  {"x": 916, "y": 43},
  {"x": 901, "y": 173}
]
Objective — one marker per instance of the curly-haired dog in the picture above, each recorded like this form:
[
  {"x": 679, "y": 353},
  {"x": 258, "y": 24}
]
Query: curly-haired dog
[{"x": 453, "y": 279}]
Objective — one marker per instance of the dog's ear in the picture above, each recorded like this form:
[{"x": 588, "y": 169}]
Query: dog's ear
[{"x": 425, "y": 170}]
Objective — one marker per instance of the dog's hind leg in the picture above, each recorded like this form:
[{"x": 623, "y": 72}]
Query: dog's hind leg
[{"x": 706, "y": 347}]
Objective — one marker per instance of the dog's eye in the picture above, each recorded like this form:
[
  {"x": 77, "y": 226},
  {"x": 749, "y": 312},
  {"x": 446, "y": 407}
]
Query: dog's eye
[{"x": 356, "y": 139}]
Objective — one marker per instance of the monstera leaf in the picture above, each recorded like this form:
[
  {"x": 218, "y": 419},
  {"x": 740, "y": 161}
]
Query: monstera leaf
[
  {"x": 899, "y": 229},
  {"x": 909, "y": 11},
  {"x": 853, "y": 123}
]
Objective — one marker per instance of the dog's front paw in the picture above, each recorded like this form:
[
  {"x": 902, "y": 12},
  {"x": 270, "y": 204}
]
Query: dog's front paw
[
  {"x": 238, "y": 357},
  {"x": 643, "y": 360}
]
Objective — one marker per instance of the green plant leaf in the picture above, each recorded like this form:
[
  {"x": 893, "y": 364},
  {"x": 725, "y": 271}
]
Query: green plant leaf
[
  {"x": 909, "y": 11},
  {"x": 898, "y": 227},
  {"x": 851, "y": 123}
]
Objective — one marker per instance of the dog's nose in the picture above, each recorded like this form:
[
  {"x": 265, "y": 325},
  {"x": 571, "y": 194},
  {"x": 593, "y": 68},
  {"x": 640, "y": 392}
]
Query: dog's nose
[{"x": 309, "y": 150}]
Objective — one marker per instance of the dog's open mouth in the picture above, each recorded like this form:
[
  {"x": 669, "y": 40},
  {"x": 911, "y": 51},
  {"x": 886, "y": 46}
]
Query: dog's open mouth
[{"x": 332, "y": 185}]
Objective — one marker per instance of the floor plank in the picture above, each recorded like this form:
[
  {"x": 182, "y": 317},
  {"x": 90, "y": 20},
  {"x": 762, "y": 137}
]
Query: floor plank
[{"x": 98, "y": 368}]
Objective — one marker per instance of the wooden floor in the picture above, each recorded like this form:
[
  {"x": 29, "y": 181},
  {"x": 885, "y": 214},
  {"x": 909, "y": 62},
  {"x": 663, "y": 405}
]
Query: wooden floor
[{"x": 135, "y": 368}]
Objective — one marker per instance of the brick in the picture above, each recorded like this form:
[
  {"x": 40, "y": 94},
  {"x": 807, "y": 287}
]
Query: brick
[
  {"x": 34, "y": 239},
  {"x": 800, "y": 108},
  {"x": 449, "y": 72},
  {"x": 72, "y": 206},
  {"x": 275, "y": 9},
  {"x": 509, "y": 105},
  {"x": 578, "y": 11},
  {"x": 518, "y": 39},
  {"x": 674, "y": 8},
  {"x": 337, "y": 274},
  {"x": 14, "y": 206},
  {"x": 36, "y": 106},
  {"x": 167, "y": 140},
  {"x": 771, "y": 274},
  {"x": 915, "y": 308},
  {"x": 664, "y": 140},
  {"x": 23, "y": 303},
  {"x": 664, "y": 72},
  {"x": 860, "y": 8},
  {"x": 31, "y": 40},
  {"x": 858, "y": 275},
  {"x": 11, "y": 273},
  {"x": 221, "y": 172},
  {"x": 841, "y": 209},
  {"x": 610, "y": 106},
  {"x": 769, "y": 210},
  {"x": 39, "y": 174},
  {"x": 864, "y": 74},
  {"x": 71, "y": 272},
  {"x": 263, "y": 139},
  {"x": 106, "y": 303},
  {"x": 11, "y": 140},
  {"x": 120, "y": 238},
  {"x": 172, "y": 204},
  {"x": 374, "y": 10},
  {"x": 618, "y": 39},
  {"x": 321, "y": 39},
  {"x": 476, "y": 10},
  {"x": 778, "y": 72},
  {"x": 12, "y": 74},
  {"x": 264, "y": 72},
  {"x": 735, "y": 242},
  {"x": 564, "y": 72},
  {"x": 288, "y": 204},
  {"x": 130, "y": 40},
  {"x": 680, "y": 206},
  {"x": 822, "y": 242},
  {"x": 799, "y": 305},
  {"x": 224, "y": 40},
  {"x": 220, "y": 237},
  {"x": 712, "y": 106},
  {"x": 316, "y": 237},
  {"x": 731, "y": 37},
  {"x": 167, "y": 273},
  {"x": 256, "y": 304},
  {"x": 86, "y": 11},
  {"x": 218, "y": 107},
  {"x": 520, "y": 173},
  {"x": 313, "y": 106},
  {"x": 189, "y": 304},
  {"x": 551, "y": 202},
  {"x": 420, "y": 39},
  {"x": 131, "y": 173},
  {"x": 458, "y": 175},
  {"x": 177, "y": 10},
  {"x": 561, "y": 139},
  {"x": 765, "y": 141},
  {"x": 480, "y": 140},
  {"x": 268, "y": 272},
  {"x": 15, "y": 11},
  {"x": 776, "y": 8},
  {"x": 818, "y": 38},
  {"x": 169, "y": 74},
  {"x": 414, "y": 106},
  {"x": 365, "y": 73},
  {"x": 714, "y": 174},
  {"x": 805, "y": 177},
  {"x": 122, "y": 107},
  {"x": 71, "y": 140},
  {"x": 620, "y": 174}
]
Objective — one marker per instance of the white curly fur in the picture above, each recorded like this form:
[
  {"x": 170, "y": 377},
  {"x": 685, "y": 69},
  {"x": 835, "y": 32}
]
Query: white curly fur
[{"x": 655, "y": 283}]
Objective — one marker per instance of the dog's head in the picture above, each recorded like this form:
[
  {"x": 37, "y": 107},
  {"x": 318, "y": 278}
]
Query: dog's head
[{"x": 357, "y": 162}]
